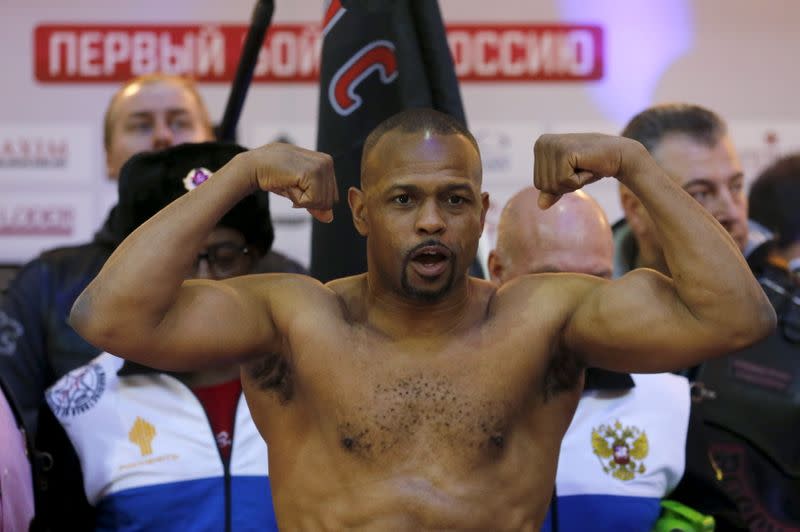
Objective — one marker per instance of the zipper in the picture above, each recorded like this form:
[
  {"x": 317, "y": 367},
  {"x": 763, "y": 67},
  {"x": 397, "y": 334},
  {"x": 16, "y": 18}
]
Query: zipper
[{"x": 226, "y": 464}]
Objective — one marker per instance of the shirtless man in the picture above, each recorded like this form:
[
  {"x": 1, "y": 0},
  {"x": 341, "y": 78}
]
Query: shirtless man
[{"x": 413, "y": 396}]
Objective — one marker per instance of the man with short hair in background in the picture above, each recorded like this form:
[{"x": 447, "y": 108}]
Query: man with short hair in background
[
  {"x": 37, "y": 346},
  {"x": 749, "y": 399}
]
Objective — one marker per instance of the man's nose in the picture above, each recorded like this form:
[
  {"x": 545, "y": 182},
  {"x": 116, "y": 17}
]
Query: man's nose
[
  {"x": 162, "y": 135},
  {"x": 727, "y": 207},
  {"x": 202, "y": 269},
  {"x": 429, "y": 218}
]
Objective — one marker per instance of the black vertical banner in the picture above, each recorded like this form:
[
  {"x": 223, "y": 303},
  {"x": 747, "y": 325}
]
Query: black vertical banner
[{"x": 379, "y": 57}]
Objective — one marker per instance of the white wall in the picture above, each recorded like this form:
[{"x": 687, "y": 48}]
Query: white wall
[{"x": 735, "y": 56}]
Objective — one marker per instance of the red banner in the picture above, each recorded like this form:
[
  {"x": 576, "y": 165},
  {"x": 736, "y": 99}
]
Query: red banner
[{"x": 291, "y": 52}]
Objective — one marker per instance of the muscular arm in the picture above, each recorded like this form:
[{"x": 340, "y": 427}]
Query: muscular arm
[
  {"x": 139, "y": 306},
  {"x": 646, "y": 321}
]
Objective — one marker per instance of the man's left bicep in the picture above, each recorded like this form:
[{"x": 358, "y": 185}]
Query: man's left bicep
[{"x": 634, "y": 324}]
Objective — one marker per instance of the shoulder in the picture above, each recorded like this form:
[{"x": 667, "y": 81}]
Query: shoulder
[
  {"x": 81, "y": 389},
  {"x": 557, "y": 292},
  {"x": 290, "y": 294}
]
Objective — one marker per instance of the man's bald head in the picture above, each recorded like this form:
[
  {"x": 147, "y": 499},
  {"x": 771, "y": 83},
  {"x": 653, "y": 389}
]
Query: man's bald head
[
  {"x": 572, "y": 236},
  {"x": 417, "y": 120}
]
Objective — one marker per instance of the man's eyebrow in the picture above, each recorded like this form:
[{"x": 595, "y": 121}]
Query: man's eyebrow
[
  {"x": 140, "y": 114},
  {"x": 150, "y": 113},
  {"x": 399, "y": 187},
  {"x": 704, "y": 181},
  {"x": 458, "y": 186}
]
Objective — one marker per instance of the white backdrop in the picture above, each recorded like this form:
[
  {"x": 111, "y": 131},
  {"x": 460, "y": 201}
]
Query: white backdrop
[{"x": 735, "y": 56}]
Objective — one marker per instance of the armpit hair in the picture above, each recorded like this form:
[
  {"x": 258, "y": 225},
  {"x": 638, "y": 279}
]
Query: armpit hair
[
  {"x": 563, "y": 373},
  {"x": 272, "y": 372}
]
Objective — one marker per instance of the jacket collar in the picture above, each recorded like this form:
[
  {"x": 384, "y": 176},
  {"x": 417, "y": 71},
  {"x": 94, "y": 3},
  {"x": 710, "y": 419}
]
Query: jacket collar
[{"x": 602, "y": 379}]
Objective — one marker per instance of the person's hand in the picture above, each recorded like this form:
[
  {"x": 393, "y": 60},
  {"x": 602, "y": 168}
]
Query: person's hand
[
  {"x": 565, "y": 163},
  {"x": 305, "y": 177}
]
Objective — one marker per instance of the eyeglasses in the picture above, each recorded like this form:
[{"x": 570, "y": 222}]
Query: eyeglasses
[{"x": 225, "y": 259}]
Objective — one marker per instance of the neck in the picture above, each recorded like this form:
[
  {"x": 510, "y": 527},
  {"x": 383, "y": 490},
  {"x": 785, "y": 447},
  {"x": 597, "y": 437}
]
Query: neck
[{"x": 398, "y": 315}]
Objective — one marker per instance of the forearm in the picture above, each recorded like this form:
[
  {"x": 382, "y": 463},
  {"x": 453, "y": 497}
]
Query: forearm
[
  {"x": 708, "y": 272},
  {"x": 141, "y": 280}
]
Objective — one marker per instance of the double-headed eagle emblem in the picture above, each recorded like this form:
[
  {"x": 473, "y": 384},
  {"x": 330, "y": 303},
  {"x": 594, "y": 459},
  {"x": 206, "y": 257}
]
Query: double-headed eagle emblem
[{"x": 620, "y": 450}]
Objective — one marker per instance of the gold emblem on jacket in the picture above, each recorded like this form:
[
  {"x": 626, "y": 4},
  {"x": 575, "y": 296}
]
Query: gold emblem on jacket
[
  {"x": 620, "y": 450},
  {"x": 142, "y": 434}
]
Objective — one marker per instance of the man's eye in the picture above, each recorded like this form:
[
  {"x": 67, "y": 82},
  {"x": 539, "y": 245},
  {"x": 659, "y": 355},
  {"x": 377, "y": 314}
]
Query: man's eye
[
  {"x": 700, "y": 195},
  {"x": 139, "y": 126},
  {"x": 182, "y": 123},
  {"x": 402, "y": 199},
  {"x": 455, "y": 200}
]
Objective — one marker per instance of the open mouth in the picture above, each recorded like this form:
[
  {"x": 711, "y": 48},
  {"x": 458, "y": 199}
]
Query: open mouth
[{"x": 431, "y": 260}]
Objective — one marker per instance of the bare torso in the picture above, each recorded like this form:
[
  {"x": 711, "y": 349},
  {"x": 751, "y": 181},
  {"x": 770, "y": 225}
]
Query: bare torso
[{"x": 449, "y": 431}]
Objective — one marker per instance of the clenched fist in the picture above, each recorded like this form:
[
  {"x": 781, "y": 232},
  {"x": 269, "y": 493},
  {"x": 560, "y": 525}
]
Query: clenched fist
[
  {"x": 565, "y": 163},
  {"x": 305, "y": 177}
]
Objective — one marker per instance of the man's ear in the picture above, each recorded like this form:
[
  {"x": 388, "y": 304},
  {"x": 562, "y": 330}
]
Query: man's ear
[
  {"x": 355, "y": 197},
  {"x": 635, "y": 214},
  {"x": 485, "y": 204},
  {"x": 111, "y": 173},
  {"x": 495, "y": 267}
]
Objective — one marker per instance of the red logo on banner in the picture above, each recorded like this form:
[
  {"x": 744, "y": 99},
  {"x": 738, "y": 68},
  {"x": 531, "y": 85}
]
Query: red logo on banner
[
  {"x": 526, "y": 52},
  {"x": 376, "y": 56},
  {"x": 291, "y": 52},
  {"x": 36, "y": 220},
  {"x": 207, "y": 53}
]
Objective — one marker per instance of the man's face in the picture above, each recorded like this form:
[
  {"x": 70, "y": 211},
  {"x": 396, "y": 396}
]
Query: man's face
[
  {"x": 423, "y": 212},
  {"x": 225, "y": 255},
  {"x": 153, "y": 116},
  {"x": 711, "y": 175}
]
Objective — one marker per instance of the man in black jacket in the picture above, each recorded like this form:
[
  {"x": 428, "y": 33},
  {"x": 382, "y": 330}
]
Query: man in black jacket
[
  {"x": 37, "y": 346},
  {"x": 748, "y": 399}
]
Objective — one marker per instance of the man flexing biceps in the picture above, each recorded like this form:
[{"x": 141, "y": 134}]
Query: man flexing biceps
[{"x": 414, "y": 396}]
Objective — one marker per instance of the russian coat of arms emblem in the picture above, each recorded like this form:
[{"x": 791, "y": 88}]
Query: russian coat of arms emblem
[{"x": 620, "y": 450}]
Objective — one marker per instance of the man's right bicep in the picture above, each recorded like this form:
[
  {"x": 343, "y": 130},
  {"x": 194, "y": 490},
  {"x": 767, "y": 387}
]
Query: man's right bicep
[{"x": 213, "y": 323}]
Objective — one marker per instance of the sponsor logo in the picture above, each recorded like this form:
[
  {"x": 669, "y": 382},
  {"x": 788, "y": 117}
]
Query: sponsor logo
[
  {"x": 78, "y": 391},
  {"x": 736, "y": 469},
  {"x": 34, "y": 152},
  {"x": 526, "y": 52},
  {"x": 620, "y": 450},
  {"x": 37, "y": 220},
  {"x": 10, "y": 331},
  {"x": 291, "y": 52},
  {"x": 223, "y": 439},
  {"x": 377, "y": 56},
  {"x": 142, "y": 434}
]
